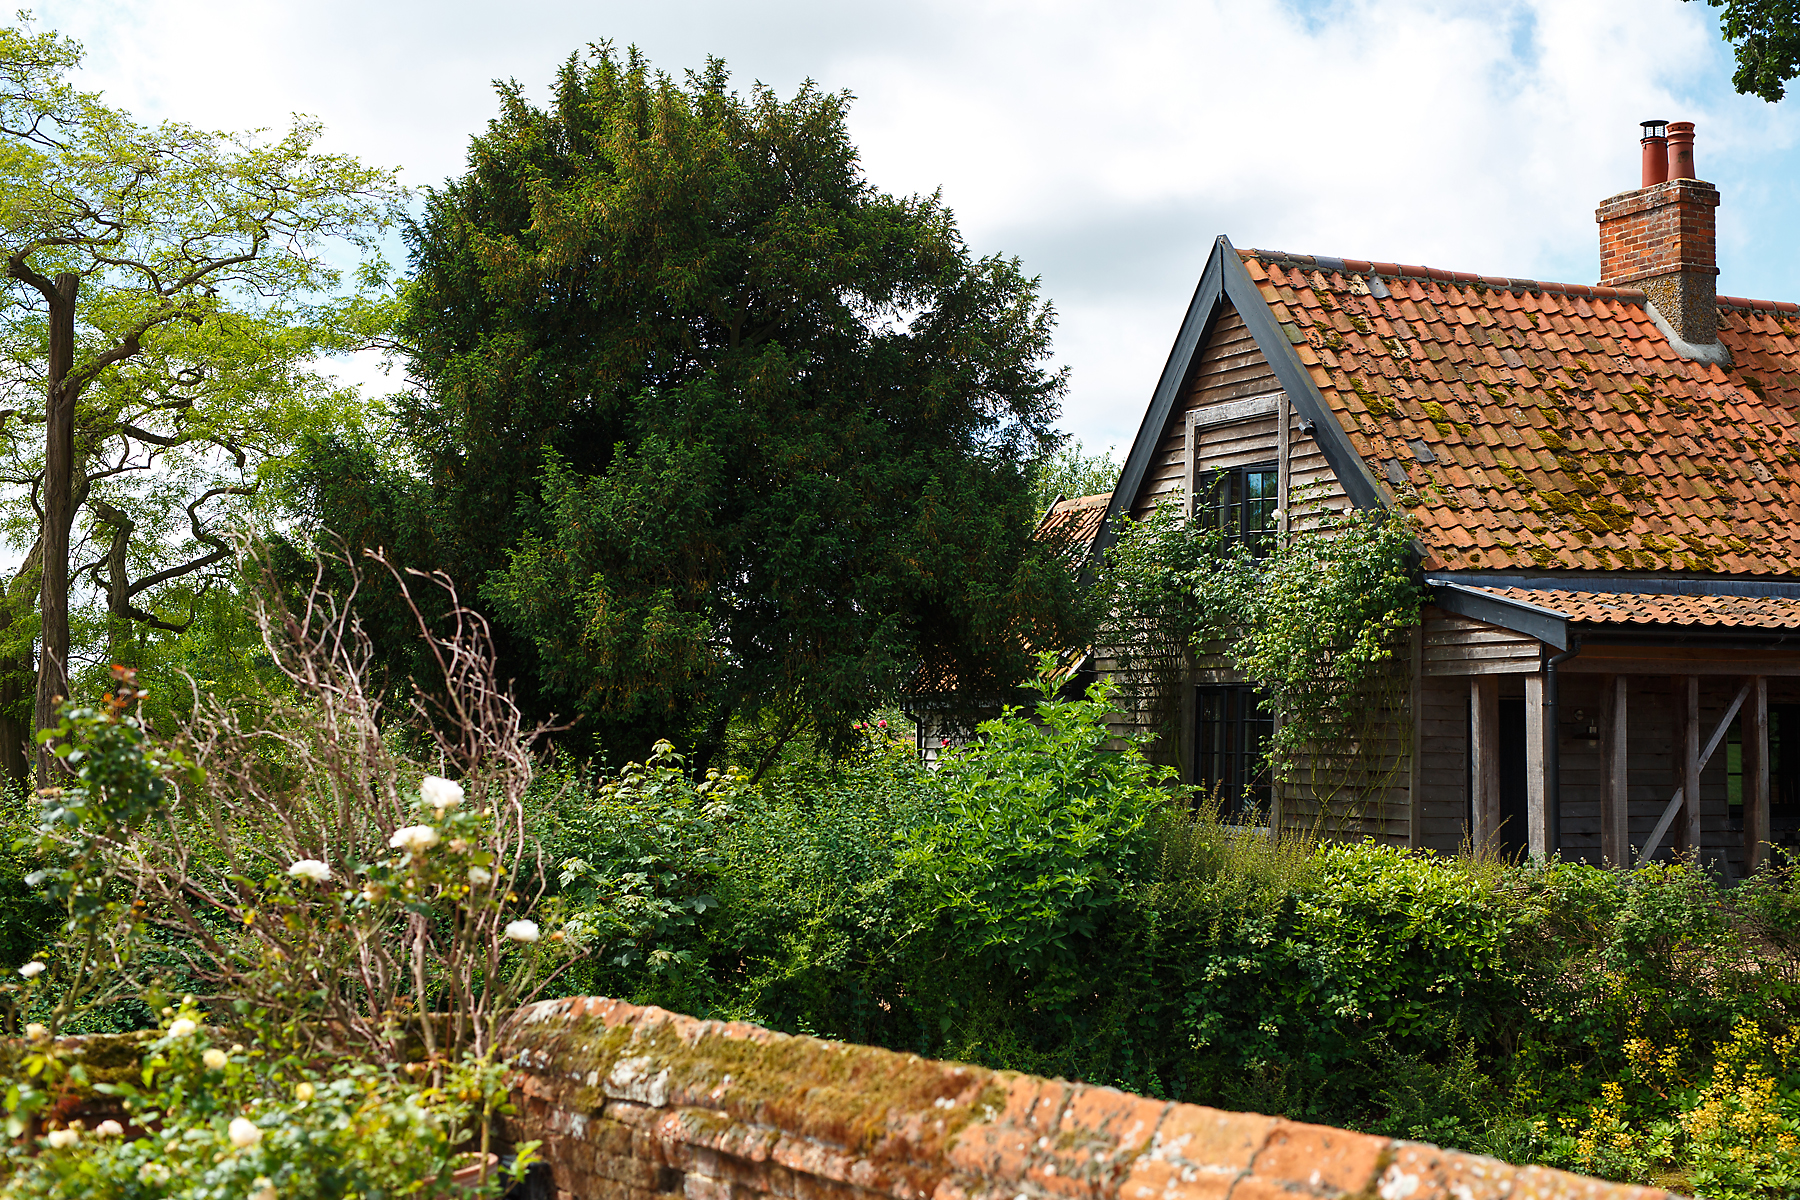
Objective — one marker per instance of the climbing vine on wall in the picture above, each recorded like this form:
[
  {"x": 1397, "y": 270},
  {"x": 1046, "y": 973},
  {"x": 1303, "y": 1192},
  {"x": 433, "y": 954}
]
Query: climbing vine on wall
[{"x": 1319, "y": 622}]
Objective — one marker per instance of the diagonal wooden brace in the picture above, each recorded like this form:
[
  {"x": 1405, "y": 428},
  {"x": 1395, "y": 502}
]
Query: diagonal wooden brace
[{"x": 1712, "y": 743}]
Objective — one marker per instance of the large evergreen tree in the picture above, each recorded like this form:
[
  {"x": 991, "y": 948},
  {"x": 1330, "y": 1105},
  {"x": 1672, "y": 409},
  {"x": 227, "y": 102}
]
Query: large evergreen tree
[{"x": 717, "y": 428}]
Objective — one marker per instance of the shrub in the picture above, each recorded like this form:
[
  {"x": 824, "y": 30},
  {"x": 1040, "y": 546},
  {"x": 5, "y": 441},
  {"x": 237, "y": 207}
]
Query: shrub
[
  {"x": 238, "y": 1122},
  {"x": 1043, "y": 828}
]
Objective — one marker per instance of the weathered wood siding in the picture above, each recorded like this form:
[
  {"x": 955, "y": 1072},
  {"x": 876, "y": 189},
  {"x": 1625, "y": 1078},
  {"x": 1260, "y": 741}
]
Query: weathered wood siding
[
  {"x": 1230, "y": 415},
  {"x": 1653, "y": 742},
  {"x": 1462, "y": 646},
  {"x": 1443, "y": 718},
  {"x": 1231, "y": 369},
  {"x": 1653, "y": 745},
  {"x": 1361, "y": 786}
]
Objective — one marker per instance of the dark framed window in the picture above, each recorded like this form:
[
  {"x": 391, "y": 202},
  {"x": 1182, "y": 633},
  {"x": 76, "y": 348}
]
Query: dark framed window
[
  {"x": 1231, "y": 736},
  {"x": 1240, "y": 502},
  {"x": 1784, "y": 769}
]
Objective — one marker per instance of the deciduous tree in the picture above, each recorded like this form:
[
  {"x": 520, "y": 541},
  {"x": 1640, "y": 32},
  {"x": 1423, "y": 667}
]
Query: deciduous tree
[
  {"x": 167, "y": 290},
  {"x": 1765, "y": 37}
]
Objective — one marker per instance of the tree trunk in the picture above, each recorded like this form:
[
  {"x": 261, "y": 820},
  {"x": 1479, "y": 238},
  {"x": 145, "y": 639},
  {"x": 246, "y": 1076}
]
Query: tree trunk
[
  {"x": 59, "y": 516},
  {"x": 16, "y": 675}
]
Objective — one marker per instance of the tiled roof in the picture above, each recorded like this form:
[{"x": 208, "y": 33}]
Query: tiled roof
[
  {"x": 1527, "y": 424},
  {"x": 1078, "y": 520},
  {"x": 1639, "y": 608}
]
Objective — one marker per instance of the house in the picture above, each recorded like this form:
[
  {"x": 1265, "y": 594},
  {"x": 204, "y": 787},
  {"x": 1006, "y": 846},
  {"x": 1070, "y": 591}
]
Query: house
[{"x": 1605, "y": 485}]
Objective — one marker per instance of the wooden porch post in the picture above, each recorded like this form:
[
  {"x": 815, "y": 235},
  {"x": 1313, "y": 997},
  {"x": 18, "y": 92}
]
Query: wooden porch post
[
  {"x": 1484, "y": 760},
  {"x": 1688, "y": 841},
  {"x": 1537, "y": 816},
  {"x": 1756, "y": 775},
  {"x": 1615, "y": 803}
]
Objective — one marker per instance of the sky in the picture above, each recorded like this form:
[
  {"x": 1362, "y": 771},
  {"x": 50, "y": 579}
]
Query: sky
[{"x": 1104, "y": 145}]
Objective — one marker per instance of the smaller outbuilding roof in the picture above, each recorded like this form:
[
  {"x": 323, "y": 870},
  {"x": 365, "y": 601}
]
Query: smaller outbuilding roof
[{"x": 1078, "y": 520}]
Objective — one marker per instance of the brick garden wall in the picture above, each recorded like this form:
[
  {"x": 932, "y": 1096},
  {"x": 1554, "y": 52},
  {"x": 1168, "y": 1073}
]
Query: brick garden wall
[{"x": 643, "y": 1104}]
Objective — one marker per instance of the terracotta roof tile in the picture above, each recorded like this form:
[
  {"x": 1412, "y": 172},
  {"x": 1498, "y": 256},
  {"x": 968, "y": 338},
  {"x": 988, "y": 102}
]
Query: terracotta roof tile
[
  {"x": 1078, "y": 519},
  {"x": 1578, "y": 422},
  {"x": 1640, "y": 608}
]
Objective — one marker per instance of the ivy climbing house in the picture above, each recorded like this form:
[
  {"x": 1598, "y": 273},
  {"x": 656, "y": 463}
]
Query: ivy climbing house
[{"x": 1602, "y": 488}]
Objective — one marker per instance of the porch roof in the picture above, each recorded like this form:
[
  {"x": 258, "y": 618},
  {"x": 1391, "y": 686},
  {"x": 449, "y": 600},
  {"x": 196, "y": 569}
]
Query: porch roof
[
  {"x": 1642, "y": 611},
  {"x": 1639, "y": 608}
]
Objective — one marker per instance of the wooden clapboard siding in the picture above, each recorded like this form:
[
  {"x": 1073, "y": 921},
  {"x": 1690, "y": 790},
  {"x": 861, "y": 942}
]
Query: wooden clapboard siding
[
  {"x": 1362, "y": 788},
  {"x": 1456, "y": 645},
  {"x": 1654, "y": 747},
  {"x": 1236, "y": 444},
  {"x": 1366, "y": 793},
  {"x": 1313, "y": 487},
  {"x": 1443, "y": 718},
  {"x": 1232, "y": 369}
]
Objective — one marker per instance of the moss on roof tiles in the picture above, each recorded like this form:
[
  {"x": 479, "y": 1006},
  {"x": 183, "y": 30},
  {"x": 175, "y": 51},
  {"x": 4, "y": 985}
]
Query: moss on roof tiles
[{"x": 1471, "y": 370}]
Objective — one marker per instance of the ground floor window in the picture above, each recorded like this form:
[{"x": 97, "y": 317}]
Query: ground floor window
[{"x": 1232, "y": 733}]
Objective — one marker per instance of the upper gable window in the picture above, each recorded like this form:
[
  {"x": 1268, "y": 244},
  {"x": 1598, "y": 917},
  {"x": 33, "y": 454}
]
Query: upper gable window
[{"x": 1241, "y": 503}]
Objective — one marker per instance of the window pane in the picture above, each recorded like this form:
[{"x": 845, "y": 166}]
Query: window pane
[
  {"x": 1260, "y": 496},
  {"x": 1231, "y": 736},
  {"x": 1217, "y": 510}
]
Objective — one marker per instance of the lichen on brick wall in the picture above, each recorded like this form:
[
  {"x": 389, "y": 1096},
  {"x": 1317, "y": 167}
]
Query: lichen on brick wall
[{"x": 643, "y": 1104}]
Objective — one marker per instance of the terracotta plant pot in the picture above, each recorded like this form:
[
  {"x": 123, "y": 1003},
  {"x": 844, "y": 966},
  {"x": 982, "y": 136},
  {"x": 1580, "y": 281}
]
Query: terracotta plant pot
[{"x": 466, "y": 1178}]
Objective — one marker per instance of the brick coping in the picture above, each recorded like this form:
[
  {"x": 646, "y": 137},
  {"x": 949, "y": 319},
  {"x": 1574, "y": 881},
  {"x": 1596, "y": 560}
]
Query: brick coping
[{"x": 640, "y": 1103}]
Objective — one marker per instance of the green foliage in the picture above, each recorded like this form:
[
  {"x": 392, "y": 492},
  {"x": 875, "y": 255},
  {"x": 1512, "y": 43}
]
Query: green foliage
[
  {"x": 1765, "y": 37},
  {"x": 118, "y": 781},
  {"x": 1043, "y": 823},
  {"x": 652, "y": 835},
  {"x": 1317, "y": 621},
  {"x": 1042, "y": 904},
  {"x": 720, "y": 430},
  {"x": 209, "y": 291},
  {"x": 1070, "y": 473},
  {"x": 239, "y": 1122},
  {"x": 1154, "y": 614}
]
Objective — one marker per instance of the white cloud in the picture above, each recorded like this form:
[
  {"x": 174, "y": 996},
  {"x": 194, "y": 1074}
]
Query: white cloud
[{"x": 1105, "y": 144}]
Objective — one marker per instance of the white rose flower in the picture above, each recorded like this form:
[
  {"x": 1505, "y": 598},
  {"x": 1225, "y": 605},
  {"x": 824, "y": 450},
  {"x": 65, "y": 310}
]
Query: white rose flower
[
  {"x": 153, "y": 1173},
  {"x": 441, "y": 793},
  {"x": 34, "y": 1031},
  {"x": 215, "y": 1059},
  {"x": 479, "y": 875},
  {"x": 109, "y": 1129},
  {"x": 414, "y": 839},
  {"x": 243, "y": 1133},
  {"x": 32, "y": 970},
  {"x": 182, "y": 1027},
  {"x": 310, "y": 868},
  {"x": 61, "y": 1138},
  {"x": 265, "y": 1189},
  {"x": 522, "y": 931}
]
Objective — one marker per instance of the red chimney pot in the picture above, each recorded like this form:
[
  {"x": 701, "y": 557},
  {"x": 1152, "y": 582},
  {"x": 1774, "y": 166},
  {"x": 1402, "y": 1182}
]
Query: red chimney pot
[
  {"x": 1656, "y": 152},
  {"x": 1681, "y": 150}
]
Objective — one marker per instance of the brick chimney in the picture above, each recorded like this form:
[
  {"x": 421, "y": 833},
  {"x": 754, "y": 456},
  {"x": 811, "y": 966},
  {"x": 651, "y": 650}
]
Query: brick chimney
[{"x": 1660, "y": 238}]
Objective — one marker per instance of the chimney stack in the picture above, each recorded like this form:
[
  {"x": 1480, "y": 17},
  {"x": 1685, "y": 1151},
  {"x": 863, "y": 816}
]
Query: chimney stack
[{"x": 1660, "y": 238}]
